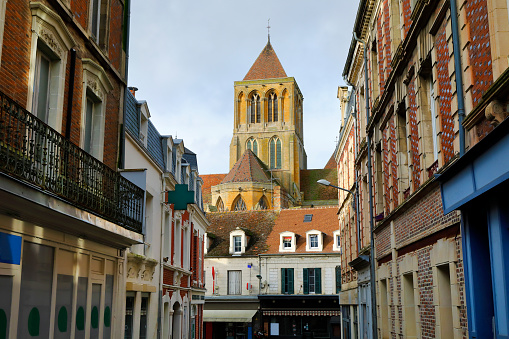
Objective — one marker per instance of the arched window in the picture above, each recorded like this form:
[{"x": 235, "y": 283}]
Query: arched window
[
  {"x": 239, "y": 204},
  {"x": 220, "y": 205},
  {"x": 252, "y": 145},
  {"x": 275, "y": 153},
  {"x": 262, "y": 204},
  {"x": 272, "y": 110},
  {"x": 254, "y": 108}
]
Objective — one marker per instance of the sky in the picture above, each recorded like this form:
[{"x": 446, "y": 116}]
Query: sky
[{"x": 184, "y": 57}]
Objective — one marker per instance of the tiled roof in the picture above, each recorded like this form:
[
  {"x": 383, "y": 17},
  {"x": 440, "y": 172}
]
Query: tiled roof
[
  {"x": 331, "y": 164},
  {"x": 324, "y": 219},
  {"x": 314, "y": 191},
  {"x": 190, "y": 158},
  {"x": 247, "y": 169},
  {"x": 210, "y": 180},
  {"x": 266, "y": 66},
  {"x": 258, "y": 225}
]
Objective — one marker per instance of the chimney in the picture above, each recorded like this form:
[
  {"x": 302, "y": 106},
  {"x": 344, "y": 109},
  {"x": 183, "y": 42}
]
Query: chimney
[{"x": 133, "y": 90}]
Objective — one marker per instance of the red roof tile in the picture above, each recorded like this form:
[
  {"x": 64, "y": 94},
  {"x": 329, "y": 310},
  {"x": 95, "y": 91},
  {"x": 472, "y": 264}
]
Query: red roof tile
[
  {"x": 210, "y": 180},
  {"x": 324, "y": 219},
  {"x": 266, "y": 66},
  {"x": 257, "y": 224},
  {"x": 247, "y": 169}
]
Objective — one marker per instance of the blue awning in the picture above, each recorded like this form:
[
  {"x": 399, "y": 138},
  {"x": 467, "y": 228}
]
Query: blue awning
[{"x": 482, "y": 168}]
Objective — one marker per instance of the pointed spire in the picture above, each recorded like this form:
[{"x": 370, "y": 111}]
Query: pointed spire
[
  {"x": 268, "y": 30},
  {"x": 266, "y": 66},
  {"x": 247, "y": 169}
]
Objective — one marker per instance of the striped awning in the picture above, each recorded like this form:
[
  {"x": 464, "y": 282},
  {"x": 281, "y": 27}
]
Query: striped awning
[{"x": 307, "y": 313}]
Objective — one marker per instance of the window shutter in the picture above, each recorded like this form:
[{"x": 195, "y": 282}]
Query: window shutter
[
  {"x": 283, "y": 289},
  {"x": 305, "y": 281},
  {"x": 290, "y": 280},
  {"x": 318, "y": 280},
  {"x": 338, "y": 279}
]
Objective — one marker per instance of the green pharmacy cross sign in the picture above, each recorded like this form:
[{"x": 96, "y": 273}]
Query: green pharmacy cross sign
[{"x": 180, "y": 197}]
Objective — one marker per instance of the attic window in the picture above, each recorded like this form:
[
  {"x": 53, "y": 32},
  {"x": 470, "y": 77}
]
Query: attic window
[
  {"x": 287, "y": 242},
  {"x": 308, "y": 217}
]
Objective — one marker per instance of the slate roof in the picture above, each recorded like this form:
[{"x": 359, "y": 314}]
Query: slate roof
[
  {"x": 190, "y": 158},
  {"x": 314, "y": 191},
  {"x": 247, "y": 169},
  {"x": 324, "y": 219},
  {"x": 258, "y": 225},
  {"x": 210, "y": 180},
  {"x": 266, "y": 66}
]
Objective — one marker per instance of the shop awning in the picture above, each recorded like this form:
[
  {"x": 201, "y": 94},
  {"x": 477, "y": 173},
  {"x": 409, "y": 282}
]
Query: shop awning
[
  {"x": 235, "y": 316},
  {"x": 306, "y": 313}
]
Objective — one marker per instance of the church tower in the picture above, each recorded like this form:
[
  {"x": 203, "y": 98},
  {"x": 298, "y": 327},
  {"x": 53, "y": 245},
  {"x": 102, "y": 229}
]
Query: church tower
[{"x": 268, "y": 121}]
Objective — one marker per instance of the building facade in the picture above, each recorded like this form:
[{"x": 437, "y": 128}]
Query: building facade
[
  {"x": 67, "y": 215},
  {"x": 165, "y": 287}
]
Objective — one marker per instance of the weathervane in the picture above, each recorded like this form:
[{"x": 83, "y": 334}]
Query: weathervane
[{"x": 268, "y": 28}]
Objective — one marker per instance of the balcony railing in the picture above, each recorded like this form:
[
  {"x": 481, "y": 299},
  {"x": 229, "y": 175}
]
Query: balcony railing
[{"x": 32, "y": 151}]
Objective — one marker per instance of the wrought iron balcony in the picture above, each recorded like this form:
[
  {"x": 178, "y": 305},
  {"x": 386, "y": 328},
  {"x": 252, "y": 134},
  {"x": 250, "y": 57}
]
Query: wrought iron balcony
[{"x": 32, "y": 151}]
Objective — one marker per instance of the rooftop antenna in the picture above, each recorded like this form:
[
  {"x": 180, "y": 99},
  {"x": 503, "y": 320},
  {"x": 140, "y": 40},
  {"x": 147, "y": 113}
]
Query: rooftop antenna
[{"x": 268, "y": 28}]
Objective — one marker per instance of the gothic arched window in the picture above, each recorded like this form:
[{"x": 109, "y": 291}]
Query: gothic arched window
[
  {"x": 220, "y": 205},
  {"x": 262, "y": 204},
  {"x": 253, "y": 146},
  {"x": 239, "y": 204},
  {"x": 272, "y": 107},
  {"x": 254, "y": 108},
  {"x": 275, "y": 153}
]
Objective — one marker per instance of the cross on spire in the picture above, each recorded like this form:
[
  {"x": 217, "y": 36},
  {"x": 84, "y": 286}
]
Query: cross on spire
[{"x": 268, "y": 28}]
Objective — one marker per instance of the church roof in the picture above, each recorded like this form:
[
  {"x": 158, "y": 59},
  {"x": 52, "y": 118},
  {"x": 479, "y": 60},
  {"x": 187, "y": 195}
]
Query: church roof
[
  {"x": 247, "y": 169},
  {"x": 266, "y": 66}
]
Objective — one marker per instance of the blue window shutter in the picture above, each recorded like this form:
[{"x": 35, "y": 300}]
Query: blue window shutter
[
  {"x": 290, "y": 280},
  {"x": 283, "y": 281},
  {"x": 305, "y": 281},
  {"x": 318, "y": 280}
]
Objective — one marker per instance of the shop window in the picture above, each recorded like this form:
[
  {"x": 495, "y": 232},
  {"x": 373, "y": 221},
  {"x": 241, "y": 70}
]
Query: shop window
[
  {"x": 234, "y": 282},
  {"x": 287, "y": 281},
  {"x": 312, "y": 280}
]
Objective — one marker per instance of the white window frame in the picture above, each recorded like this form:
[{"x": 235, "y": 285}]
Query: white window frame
[
  {"x": 243, "y": 241},
  {"x": 3, "y": 9},
  {"x": 337, "y": 244},
  {"x": 96, "y": 84},
  {"x": 284, "y": 235},
  {"x": 49, "y": 32},
  {"x": 319, "y": 236},
  {"x": 234, "y": 287},
  {"x": 237, "y": 244}
]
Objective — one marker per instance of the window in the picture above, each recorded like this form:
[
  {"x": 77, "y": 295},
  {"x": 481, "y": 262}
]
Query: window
[
  {"x": 275, "y": 153},
  {"x": 98, "y": 21},
  {"x": 40, "y": 101},
  {"x": 272, "y": 108},
  {"x": 262, "y": 204},
  {"x": 239, "y": 204},
  {"x": 129, "y": 316},
  {"x": 254, "y": 108},
  {"x": 253, "y": 146},
  {"x": 51, "y": 42},
  {"x": 237, "y": 244},
  {"x": 3, "y": 4},
  {"x": 287, "y": 281},
  {"x": 312, "y": 280},
  {"x": 234, "y": 282},
  {"x": 143, "y": 315},
  {"x": 409, "y": 306},
  {"x": 287, "y": 242},
  {"x": 337, "y": 241},
  {"x": 313, "y": 241},
  {"x": 308, "y": 217},
  {"x": 96, "y": 87},
  {"x": 220, "y": 204}
]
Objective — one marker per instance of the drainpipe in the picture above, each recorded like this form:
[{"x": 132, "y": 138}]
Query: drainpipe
[
  {"x": 370, "y": 184},
  {"x": 458, "y": 73},
  {"x": 70, "y": 95},
  {"x": 354, "y": 114},
  {"x": 128, "y": 28}
]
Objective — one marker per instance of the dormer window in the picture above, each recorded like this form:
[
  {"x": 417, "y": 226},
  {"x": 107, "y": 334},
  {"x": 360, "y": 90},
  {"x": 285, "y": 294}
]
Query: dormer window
[
  {"x": 337, "y": 241},
  {"x": 314, "y": 240},
  {"x": 238, "y": 241},
  {"x": 237, "y": 244},
  {"x": 287, "y": 241}
]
